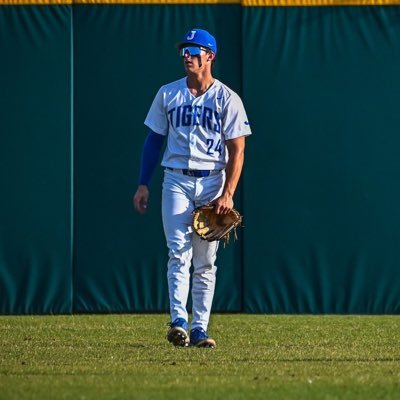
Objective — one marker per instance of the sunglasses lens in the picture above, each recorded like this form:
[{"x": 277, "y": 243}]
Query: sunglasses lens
[{"x": 191, "y": 50}]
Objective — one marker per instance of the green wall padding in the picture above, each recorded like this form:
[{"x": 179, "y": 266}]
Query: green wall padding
[
  {"x": 323, "y": 91},
  {"x": 321, "y": 88},
  {"x": 35, "y": 154},
  {"x": 123, "y": 54}
]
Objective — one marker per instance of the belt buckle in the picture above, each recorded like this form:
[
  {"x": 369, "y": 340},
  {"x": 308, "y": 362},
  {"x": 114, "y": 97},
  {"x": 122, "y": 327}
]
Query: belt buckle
[{"x": 191, "y": 172}]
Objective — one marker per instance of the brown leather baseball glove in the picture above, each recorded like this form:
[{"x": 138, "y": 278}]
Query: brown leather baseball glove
[{"x": 211, "y": 226}]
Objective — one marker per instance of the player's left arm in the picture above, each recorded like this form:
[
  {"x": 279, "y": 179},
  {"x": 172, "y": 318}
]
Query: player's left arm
[{"x": 235, "y": 147}]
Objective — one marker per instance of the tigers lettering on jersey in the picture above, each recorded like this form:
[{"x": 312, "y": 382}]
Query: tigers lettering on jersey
[
  {"x": 195, "y": 115},
  {"x": 197, "y": 126}
]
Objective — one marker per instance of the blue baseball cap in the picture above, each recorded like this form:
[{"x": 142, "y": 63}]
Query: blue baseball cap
[{"x": 199, "y": 37}]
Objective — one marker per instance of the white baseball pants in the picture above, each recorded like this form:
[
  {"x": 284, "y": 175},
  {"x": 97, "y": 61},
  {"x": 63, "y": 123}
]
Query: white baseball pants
[{"x": 181, "y": 194}]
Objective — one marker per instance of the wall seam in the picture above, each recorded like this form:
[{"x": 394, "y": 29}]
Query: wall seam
[
  {"x": 242, "y": 258},
  {"x": 72, "y": 180}
]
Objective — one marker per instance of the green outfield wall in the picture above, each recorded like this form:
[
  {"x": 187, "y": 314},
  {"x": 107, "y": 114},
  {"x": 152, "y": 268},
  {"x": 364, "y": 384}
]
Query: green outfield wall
[{"x": 320, "y": 188}]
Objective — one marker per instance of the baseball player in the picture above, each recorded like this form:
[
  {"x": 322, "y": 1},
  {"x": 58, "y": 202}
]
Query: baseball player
[{"x": 205, "y": 125}]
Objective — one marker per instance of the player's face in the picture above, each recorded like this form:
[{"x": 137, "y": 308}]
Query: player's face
[{"x": 195, "y": 57}]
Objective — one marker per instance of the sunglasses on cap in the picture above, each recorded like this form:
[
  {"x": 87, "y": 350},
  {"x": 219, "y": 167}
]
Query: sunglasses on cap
[{"x": 192, "y": 50}]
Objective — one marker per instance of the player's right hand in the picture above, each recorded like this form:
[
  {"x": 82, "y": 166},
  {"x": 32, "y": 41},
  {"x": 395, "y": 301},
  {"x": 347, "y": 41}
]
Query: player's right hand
[
  {"x": 223, "y": 204},
  {"x": 140, "y": 199}
]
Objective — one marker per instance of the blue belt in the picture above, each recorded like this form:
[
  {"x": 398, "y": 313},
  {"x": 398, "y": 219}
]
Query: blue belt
[{"x": 197, "y": 173}]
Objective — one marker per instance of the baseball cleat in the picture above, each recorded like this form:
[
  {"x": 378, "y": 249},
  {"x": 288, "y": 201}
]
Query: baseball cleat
[
  {"x": 177, "y": 333},
  {"x": 199, "y": 338}
]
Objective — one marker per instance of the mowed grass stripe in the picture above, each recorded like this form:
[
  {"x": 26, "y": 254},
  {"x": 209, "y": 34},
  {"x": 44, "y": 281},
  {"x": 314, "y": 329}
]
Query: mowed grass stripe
[{"x": 258, "y": 357}]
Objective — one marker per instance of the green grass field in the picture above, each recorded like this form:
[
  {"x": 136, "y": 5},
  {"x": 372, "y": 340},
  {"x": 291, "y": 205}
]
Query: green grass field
[{"x": 258, "y": 357}]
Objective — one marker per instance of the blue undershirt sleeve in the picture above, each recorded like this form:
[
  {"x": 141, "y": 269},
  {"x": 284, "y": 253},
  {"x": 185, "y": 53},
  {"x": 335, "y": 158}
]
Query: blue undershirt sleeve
[{"x": 150, "y": 156}]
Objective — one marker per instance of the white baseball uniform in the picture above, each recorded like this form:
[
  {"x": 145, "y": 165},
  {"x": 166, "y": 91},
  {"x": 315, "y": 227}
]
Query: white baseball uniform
[{"x": 196, "y": 129}]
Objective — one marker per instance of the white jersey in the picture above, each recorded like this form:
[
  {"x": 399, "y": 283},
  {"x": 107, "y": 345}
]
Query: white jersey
[{"x": 197, "y": 127}]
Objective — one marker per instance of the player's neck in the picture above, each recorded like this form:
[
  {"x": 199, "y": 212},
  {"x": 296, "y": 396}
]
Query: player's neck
[{"x": 199, "y": 83}]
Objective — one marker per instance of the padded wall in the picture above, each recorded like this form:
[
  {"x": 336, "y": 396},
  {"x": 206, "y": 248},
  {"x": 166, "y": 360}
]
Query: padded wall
[
  {"x": 123, "y": 54},
  {"x": 319, "y": 192},
  {"x": 35, "y": 159},
  {"x": 322, "y": 88}
]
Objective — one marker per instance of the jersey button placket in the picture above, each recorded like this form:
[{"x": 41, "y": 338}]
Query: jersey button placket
[{"x": 192, "y": 139}]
